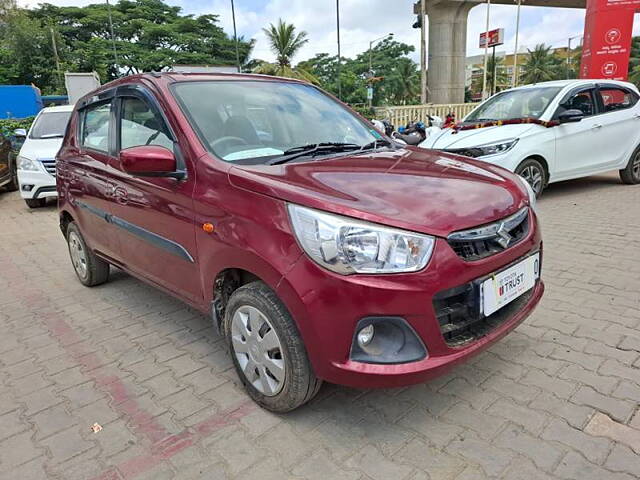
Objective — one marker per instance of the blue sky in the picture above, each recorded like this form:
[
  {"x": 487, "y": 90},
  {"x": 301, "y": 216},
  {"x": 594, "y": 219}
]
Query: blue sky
[{"x": 364, "y": 20}]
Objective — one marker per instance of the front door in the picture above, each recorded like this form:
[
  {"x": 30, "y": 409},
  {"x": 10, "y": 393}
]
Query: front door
[
  {"x": 155, "y": 214},
  {"x": 579, "y": 145}
]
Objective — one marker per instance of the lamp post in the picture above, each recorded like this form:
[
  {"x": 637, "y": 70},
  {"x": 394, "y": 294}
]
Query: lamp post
[
  {"x": 486, "y": 54},
  {"x": 235, "y": 36},
  {"x": 569, "y": 54},
  {"x": 514, "y": 80},
  {"x": 371, "y": 63},
  {"x": 113, "y": 38},
  {"x": 339, "y": 55}
]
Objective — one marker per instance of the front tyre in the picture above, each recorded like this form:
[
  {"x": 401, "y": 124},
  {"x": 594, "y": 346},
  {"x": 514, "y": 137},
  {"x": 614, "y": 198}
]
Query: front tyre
[
  {"x": 90, "y": 269},
  {"x": 35, "y": 202},
  {"x": 534, "y": 173},
  {"x": 13, "y": 184},
  {"x": 631, "y": 173},
  {"x": 267, "y": 351}
]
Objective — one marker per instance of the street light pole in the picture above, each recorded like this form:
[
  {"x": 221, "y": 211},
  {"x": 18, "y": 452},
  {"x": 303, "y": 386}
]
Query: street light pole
[
  {"x": 339, "y": 55},
  {"x": 113, "y": 37},
  {"x": 423, "y": 54},
  {"x": 486, "y": 53},
  {"x": 514, "y": 80},
  {"x": 569, "y": 54},
  {"x": 371, "y": 63},
  {"x": 235, "y": 36}
]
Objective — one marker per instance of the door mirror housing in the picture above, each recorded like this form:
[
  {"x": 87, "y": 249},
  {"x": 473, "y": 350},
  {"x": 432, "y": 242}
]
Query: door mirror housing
[
  {"x": 571, "y": 116},
  {"x": 150, "y": 161},
  {"x": 20, "y": 132}
]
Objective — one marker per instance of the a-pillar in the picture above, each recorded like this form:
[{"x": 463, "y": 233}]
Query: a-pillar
[{"x": 447, "y": 49}]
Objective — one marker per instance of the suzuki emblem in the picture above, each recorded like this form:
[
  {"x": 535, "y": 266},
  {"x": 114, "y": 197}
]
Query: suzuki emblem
[{"x": 504, "y": 238}]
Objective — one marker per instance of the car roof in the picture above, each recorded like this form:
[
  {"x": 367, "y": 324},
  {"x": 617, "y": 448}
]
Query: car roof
[
  {"x": 574, "y": 82},
  {"x": 58, "y": 108}
]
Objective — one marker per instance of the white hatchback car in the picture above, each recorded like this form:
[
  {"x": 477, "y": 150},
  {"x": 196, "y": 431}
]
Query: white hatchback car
[
  {"x": 37, "y": 157},
  {"x": 553, "y": 131}
]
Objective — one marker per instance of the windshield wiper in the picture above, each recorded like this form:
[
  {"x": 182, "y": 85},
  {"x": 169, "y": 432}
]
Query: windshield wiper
[
  {"x": 375, "y": 144},
  {"x": 313, "y": 149}
]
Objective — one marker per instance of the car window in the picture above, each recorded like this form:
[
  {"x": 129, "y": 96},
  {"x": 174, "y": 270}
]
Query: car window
[
  {"x": 617, "y": 99},
  {"x": 521, "y": 103},
  {"x": 582, "y": 101},
  {"x": 140, "y": 125},
  {"x": 95, "y": 127},
  {"x": 50, "y": 125},
  {"x": 250, "y": 121}
]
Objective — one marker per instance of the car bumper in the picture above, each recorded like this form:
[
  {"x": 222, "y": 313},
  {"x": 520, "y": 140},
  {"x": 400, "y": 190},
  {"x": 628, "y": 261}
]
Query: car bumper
[
  {"x": 328, "y": 307},
  {"x": 35, "y": 185}
]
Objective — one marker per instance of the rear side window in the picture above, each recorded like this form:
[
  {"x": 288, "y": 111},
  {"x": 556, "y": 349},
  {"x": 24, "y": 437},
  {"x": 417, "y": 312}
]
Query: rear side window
[
  {"x": 95, "y": 127},
  {"x": 617, "y": 99},
  {"x": 140, "y": 125}
]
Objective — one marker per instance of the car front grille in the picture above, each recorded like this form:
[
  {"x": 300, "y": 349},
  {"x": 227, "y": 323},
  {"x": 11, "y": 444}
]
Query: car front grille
[
  {"x": 49, "y": 165},
  {"x": 458, "y": 313},
  {"x": 487, "y": 240}
]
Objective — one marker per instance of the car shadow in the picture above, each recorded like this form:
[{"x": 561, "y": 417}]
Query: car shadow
[{"x": 596, "y": 183}]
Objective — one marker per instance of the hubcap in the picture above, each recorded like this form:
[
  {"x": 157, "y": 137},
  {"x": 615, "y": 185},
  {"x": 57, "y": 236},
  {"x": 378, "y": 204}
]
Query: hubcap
[
  {"x": 258, "y": 350},
  {"x": 534, "y": 177},
  {"x": 78, "y": 255},
  {"x": 635, "y": 168}
]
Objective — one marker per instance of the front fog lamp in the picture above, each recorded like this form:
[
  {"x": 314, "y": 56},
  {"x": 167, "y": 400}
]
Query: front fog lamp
[
  {"x": 386, "y": 340},
  {"x": 346, "y": 245}
]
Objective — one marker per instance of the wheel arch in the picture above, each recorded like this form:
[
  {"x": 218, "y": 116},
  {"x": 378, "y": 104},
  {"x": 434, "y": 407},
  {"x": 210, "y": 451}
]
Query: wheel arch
[{"x": 540, "y": 159}]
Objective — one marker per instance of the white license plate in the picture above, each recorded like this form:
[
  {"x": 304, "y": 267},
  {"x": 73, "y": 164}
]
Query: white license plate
[{"x": 507, "y": 285}]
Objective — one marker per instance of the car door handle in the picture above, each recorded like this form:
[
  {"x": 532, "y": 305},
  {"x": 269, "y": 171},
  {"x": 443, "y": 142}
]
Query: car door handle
[
  {"x": 596, "y": 126},
  {"x": 636, "y": 116}
]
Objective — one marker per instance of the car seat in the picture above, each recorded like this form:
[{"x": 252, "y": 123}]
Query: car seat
[{"x": 241, "y": 127}]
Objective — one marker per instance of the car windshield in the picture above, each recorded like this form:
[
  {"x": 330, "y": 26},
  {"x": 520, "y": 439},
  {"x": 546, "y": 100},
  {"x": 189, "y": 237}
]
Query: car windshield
[
  {"x": 260, "y": 122},
  {"x": 523, "y": 103},
  {"x": 50, "y": 125}
]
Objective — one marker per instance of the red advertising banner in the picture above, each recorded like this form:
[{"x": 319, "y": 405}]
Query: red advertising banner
[
  {"x": 496, "y": 37},
  {"x": 607, "y": 38}
]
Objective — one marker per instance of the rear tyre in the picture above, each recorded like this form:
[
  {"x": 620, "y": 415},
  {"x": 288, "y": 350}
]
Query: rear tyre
[
  {"x": 35, "y": 202},
  {"x": 267, "y": 351},
  {"x": 631, "y": 173},
  {"x": 90, "y": 269},
  {"x": 12, "y": 186},
  {"x": 534, "y": 173}
]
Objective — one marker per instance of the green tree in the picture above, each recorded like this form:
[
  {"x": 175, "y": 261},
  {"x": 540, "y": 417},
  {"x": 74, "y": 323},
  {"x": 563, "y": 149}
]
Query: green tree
[
  {"x": 542, "y": 66},
  {"x": 497, "y": 77},
  {"x": 285, "y": 43}
]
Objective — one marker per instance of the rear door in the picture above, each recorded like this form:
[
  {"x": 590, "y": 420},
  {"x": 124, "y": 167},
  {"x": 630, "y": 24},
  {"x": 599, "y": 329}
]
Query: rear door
[
  {"x": 620, "y": 120},
  {"x": 89, "y": 171},
  {"x": 156, "y": 214},
  {"x": 579, "y": 145}
]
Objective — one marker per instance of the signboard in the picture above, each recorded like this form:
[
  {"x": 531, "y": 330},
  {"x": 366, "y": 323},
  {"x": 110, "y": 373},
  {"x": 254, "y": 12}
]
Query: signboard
[
  {"x": 607, "y": 39},
  {"x": 496, "y": 37},
  {"x": 370, "y": 93}
]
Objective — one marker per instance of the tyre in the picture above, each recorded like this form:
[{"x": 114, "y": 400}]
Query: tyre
[
  {"x": 90, "y": 269},
  {"x": 267, "y": 351},
  {"x": 631, "y": 173},
  {"x": 36, "y": 202},
  {"x": 13, "y": 185},
  {"x": 534, "y": 173}
]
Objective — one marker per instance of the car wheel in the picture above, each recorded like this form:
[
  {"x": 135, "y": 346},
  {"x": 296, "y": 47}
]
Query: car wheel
[
  {"x": 267, "y": 351},
  {"x": 35, "y": 202},
  {"x": 534, "y": 173},
  {"x": 631, "y": 173},
  {"x": 13, "y": 184},
  {"x": 90, "y": 269}
]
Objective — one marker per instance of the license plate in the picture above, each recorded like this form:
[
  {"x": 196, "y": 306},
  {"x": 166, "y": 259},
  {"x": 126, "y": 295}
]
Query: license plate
[{"x": 504, "y": 287}]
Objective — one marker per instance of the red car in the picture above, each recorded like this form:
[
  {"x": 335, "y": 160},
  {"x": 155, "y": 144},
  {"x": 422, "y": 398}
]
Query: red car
[{"x": 320, "y": 248}]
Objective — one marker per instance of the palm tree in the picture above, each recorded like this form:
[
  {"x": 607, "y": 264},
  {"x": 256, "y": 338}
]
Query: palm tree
[
  {"x": 541, "y": 66},
  {"x": 285, "y": 43},
  {"x": 496, "y": 75}
]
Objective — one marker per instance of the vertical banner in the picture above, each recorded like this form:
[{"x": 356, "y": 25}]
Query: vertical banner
[{"x": 608, "y": 29}]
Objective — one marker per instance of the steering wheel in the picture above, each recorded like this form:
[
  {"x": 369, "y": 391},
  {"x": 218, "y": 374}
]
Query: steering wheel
[{"x": 226, "y": 142}]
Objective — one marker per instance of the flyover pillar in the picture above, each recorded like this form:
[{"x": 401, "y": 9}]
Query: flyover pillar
[{"x": 447, "y": 49}]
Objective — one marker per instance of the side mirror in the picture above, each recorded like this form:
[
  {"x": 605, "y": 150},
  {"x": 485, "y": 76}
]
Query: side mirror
[
  {"x": 20, "y": 132},
  {"x": 150, "y": 161},
  {"x": 571, "y": 116}
]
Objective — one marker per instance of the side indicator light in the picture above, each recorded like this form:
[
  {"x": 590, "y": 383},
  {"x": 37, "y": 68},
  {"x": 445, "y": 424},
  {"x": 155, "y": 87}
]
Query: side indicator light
[{"x": 208, "y": 227}]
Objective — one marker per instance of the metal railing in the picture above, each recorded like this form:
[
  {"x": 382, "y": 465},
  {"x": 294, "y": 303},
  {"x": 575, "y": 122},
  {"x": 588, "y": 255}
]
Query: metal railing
[{"x": 410, "y": 113}]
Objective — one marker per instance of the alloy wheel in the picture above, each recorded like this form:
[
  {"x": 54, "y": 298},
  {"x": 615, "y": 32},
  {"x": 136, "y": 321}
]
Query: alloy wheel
[
  {"x": 534, "y": 176},
  {"x": 78, "y": 254},
  {"x": 258, "y": 350}
]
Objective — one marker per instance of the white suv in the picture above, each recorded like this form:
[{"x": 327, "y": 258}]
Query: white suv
[
  {"x": 553, "y": 131},
  {"x": 37, "y": 157}
]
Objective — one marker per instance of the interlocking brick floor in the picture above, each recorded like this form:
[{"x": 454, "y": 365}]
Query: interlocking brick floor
[{"x": 558, "y": 398}]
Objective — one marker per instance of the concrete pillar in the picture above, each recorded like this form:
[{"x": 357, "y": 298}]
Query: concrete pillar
[{"x": 447, "y": 49}]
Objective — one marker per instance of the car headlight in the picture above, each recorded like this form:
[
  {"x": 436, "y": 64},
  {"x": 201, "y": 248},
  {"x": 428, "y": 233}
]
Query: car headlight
[
  {"x": 532, "y": 195},
  {"x": 346, "y": 245},
  {"x": 27, "y": 164},
  {"x": 485, "y": 150}
]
